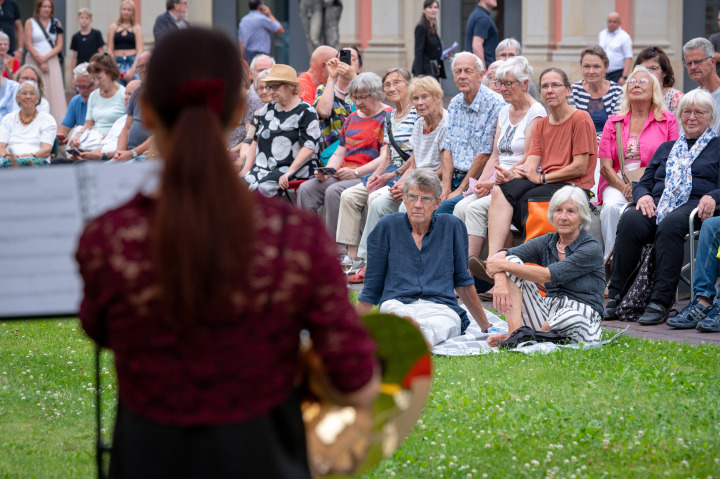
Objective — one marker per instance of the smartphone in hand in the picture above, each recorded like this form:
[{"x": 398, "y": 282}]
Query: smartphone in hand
[{"x": 324, "y": 170}]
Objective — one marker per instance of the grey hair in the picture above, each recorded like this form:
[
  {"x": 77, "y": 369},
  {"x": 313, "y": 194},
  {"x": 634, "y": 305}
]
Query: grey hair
[
  {"x": 580, "y": 199},
  {"x": 491, "y": 70},
  {"x": 698, "y": 97},
  {"x": 424, "y": 179},
  {"x": 259, "y": 77},
  {"x": 508, "y": 42},
  {"x": 368, "y": 83},
  {"x": 81, "y": 71},
  {"x": 478, "y": 63},
  {"x": 262, "y": 56},
  {"x": 518, "y": 67},
  {"x": 4, "y": 36},
  {"x": 37, "y": 90},
  {"x": 699, "y": 42},
  {"x": 403, "y": 72}
]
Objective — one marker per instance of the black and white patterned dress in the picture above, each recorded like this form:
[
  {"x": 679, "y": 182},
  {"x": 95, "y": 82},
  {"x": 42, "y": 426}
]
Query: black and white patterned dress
[{"x": 280, "y": 135}]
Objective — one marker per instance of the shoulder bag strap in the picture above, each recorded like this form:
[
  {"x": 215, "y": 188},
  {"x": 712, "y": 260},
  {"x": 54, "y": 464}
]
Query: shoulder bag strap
[
  {"x": 388, "y": 128},
  {"x": 47, "y": 37},
  {"x": 620, "y": 151}
]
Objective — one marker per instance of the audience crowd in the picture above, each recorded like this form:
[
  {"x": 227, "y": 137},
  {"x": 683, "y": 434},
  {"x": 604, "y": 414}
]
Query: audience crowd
[{"x": 342, "y": 142}]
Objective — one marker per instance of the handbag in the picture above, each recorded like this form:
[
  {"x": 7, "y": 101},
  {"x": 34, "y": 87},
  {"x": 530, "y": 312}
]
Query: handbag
[
  {"x": 535, "y": 218},
  {"x": 638, "y": 287},
  {"x": 627, "y": 176}
]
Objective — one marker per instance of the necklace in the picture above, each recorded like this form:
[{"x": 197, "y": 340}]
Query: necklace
[
  {"x": 403, "y": 112},
  {"x": 24, "y": 122},
  {"x": 340, "y": 91},
  {"x": 557, "y": 247}
]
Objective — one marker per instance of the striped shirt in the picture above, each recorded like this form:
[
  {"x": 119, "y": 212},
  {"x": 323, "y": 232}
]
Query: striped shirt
[
  {"x": 610, "y": 102},
  {"x": 401, "y": 133},
  {"x": 427, "y": 147}
]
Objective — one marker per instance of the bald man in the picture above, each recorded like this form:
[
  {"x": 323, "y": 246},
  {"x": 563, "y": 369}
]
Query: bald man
[
  {"x": 317, "y": 74},
  {"x": 618, "y": 46}
]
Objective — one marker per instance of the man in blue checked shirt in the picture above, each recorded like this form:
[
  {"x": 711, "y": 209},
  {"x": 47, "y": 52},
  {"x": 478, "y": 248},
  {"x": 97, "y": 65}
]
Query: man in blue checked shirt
[
  {"x": 472, "y": 116},
  {"x": 256, "y": 29}
]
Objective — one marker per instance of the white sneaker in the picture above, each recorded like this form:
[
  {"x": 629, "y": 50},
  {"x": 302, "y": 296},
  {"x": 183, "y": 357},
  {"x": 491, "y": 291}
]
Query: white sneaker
[{"x": 357, "y": 266}]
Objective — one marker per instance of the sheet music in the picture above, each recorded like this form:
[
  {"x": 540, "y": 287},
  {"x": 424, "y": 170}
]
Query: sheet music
[
  {"x": 40, "y": 219},
  {"x": 42, "y": 214}
]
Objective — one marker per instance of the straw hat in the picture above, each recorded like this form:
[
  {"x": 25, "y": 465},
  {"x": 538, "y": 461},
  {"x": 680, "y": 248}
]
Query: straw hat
[{"x": 282, "y": 73}]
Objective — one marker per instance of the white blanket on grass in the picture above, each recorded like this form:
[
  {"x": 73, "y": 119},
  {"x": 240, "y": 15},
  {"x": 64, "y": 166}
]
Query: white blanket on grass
[{"x": 474, "y": 341}]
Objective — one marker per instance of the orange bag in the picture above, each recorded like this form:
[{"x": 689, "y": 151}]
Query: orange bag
[{"x": 535, "y": 219}]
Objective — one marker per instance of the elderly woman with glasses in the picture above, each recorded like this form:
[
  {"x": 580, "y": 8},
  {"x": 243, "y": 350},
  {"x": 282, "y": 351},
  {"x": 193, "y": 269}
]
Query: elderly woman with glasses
[
  {"x": 285, "y": 138},
  {"x": 402, "y": 123},
  {"x": 563, "y": 151},
  {"x": 643, "y": 125},
  {"x": 361, "y": 139},
  {"x": 27, "y": 135},
  {"x": 658, "y": 63},
  {"x": 682, "y": 175},
  {"x": 569, "y": 262},
  {"x": 515, "y": 125}
]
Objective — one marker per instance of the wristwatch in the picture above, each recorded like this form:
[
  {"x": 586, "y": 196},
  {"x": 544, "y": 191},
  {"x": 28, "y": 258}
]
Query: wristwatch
[
  {"x": 134, "y": 153},
  {"x": 397, "y": 172},
  {"x": 104, "y": 157}
]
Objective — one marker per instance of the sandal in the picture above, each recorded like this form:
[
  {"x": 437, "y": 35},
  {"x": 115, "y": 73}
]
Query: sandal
[
  {"x": 477, "y": 269},
  {"x": 358, "y": 277}
]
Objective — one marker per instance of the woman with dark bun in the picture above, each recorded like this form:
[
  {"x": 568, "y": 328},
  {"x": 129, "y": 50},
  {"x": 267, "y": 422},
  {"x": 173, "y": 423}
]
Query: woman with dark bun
[{"x": 202, "y": 288}]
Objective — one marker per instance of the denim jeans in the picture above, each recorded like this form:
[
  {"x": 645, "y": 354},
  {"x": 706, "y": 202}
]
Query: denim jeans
[
  {"x": 448, "y": 206},
  {"x": 706, "y": 260}
]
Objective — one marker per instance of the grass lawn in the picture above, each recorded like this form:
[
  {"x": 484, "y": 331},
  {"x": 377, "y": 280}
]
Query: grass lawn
[{"x": 633, "y": 409}]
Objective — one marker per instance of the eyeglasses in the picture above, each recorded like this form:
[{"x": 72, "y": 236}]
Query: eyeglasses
[
  {"x": 83, "y": 88},
  {"x": 264, "y": 88},
  {"x": 693, "y": 63},
  {"x": 641, "y": 81},
  {"x": 554, "y": 86},
  {"x": 697, "y": 113},
  {"x": 393, "y": 84},
  {"x": 506, "y": 84},
  {"x": 426, "y": 200},
  {"x": 360, "y": 98},
  {"x": 274, "y": 86}
]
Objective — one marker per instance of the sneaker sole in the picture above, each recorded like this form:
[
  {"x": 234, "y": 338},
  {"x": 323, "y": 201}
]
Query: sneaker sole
[{"x": 703, "y": 329}]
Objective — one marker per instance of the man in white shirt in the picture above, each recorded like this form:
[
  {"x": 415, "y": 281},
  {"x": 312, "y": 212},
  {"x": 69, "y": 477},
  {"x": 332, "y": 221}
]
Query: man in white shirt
[{"x": 618, "y": 46}]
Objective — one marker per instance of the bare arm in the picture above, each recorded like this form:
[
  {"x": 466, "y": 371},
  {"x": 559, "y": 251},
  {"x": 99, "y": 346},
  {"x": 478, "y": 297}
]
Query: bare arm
[
  {"x": 28, "y": 40},
  {"x": 475, "y": 169},
  {"x": 250, "y": 160},
  {"x": 477, "y": 48},
  {"x": 19, "y": 37},
  {"x": 446, "y": 165},
  {"x": 361, "y": 308},
  {"x": 534, "y": 273},
  {"x": 111, "y": 40},
  {"x": 326, "y": 100}
]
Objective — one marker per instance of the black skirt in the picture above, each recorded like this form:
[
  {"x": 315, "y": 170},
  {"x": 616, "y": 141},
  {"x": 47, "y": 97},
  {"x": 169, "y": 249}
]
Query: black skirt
[{"x": 269, "y": 446}]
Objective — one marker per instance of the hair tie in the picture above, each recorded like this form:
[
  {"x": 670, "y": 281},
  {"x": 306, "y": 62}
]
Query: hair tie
[{"x": 203, "y": 92}]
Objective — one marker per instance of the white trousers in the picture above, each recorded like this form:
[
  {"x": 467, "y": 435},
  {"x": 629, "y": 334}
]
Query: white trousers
[
  {"x": 613, "y": 201},
  {"x": 473, "y": 211},
  {"x": 438, "y": 322}
]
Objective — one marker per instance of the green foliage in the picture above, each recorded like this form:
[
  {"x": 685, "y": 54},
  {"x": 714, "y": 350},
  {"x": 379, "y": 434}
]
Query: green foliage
[{"x": 632, "y": 409}]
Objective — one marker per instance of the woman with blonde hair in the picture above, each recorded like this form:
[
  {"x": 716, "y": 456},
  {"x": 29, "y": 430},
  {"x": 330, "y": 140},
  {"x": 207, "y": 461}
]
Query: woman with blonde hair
[
  {"x": 643, "y": 124},
  {"x": 44, "y": 43},
  {"x": 125, "y": 41}
]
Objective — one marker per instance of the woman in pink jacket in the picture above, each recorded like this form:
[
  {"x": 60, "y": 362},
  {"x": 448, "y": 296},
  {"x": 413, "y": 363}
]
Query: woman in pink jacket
[{"x": 645, "y": 124}]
